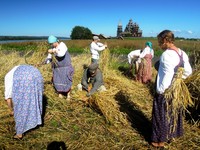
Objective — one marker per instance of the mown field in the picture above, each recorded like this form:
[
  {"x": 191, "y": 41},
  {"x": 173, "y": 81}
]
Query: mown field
[{"x": 117, "y": 119}]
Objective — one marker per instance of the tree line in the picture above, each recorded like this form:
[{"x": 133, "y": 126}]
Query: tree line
[
  {"x": 5, "y": 38},
  {"x": 78, "y": 32}
]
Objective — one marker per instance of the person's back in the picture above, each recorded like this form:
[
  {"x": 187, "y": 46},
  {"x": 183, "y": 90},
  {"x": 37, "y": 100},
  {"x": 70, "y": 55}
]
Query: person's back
[
  {"x": 133, "y": 54},
  {"x": 145, "y": 64},
  {"x": 95, "y": 47},
  {"x": 26, "y": 97}
]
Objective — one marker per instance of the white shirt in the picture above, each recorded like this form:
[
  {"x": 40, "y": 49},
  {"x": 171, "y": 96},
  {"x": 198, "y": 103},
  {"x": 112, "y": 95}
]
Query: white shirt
[
  {"x": 168, "y": 61},
  {"x": 133, "y": 54},
  {"x": 9, "y": 83},
  {"x": 147, "y": 50},
  {"x": 60, "y": 51},
  {"x": 94, "y": 48}
]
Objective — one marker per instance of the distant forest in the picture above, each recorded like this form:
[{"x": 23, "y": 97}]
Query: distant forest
[{"x": 5, "y": 38}]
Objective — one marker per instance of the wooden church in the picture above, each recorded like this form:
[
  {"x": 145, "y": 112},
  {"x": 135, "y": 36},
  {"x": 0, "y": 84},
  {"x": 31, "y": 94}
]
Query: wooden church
[{"x": 132, "y": 30}]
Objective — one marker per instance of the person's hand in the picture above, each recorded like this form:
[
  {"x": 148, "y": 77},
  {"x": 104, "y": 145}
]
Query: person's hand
[
  {"x": 89, "y": 88},
  {"x": 36, "y": 65},
  {"x": 88, "y": 95},
  {"x": 105, "y": 45},
  {"x": 50, "y": 51}
]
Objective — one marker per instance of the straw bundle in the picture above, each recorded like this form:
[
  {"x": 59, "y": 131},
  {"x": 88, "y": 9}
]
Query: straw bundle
[
  {"x": 109, "y": 108},
  {"x": 134, "y": 65},
  {"x": 141, "y": 68},
  {"x": 195, "y": 58},
  {"x": 177, "y": 97},
  {"x": 193, "y": 82},
  {"x": 105, "y": 57}
]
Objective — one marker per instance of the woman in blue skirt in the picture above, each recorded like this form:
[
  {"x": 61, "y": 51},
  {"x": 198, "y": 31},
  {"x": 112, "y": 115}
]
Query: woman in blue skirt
[
  {"x": 62, "y": 67},
  {"x": 24, "y": 93}
]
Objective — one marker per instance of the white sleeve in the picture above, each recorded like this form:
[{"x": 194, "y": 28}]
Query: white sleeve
[
  {"x": 100, "y": 44},
  {"x": 132, "y": 54},
  {"x": 152, "y": 53},
  {"x": 187, "y": 66},
  {"x": 129, "y": 58},
  {"x": 165, "y": 74},
  {"x": 8, "y": 82},
  {"x": 97, "y": 47},
  {"x": 61, "y": 49},
  {"x": 48, "y": 59},
  {"x": 144, "y": 52}
]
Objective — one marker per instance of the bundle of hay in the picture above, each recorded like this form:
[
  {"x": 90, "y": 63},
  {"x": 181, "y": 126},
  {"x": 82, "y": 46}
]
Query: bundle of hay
[
  {"x": 108, "y": 107},
  {"x": 193, "y": 83},
  {"x": 105, "y": 57},
  {"x": 195, "y": 59},
  {"x": 177, "y": 97}
]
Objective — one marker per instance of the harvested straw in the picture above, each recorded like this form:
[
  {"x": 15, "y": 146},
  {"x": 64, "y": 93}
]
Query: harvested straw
[
  {"x": 105, "y": 61},
  {"x": 177, "y": 97},
  {"x": 109, "y": 108},
  {"x": 193, "y": 82}
]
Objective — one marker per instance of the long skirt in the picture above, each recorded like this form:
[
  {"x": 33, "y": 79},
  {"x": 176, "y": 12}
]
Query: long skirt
[
  {"x": 162, "y": 125},
  {"x": 63, "y": 73},
  {"x": 144, "y": 74},
  {"x": 27, "y": 96}
]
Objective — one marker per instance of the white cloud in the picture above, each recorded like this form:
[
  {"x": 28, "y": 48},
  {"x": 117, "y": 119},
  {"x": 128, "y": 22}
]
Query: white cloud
[
  {"x": 183, "y": 33},
  {"x": 177, "y": 31}
]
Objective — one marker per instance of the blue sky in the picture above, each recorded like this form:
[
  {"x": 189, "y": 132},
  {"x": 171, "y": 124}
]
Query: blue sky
[{"x": 59, "y": 17}]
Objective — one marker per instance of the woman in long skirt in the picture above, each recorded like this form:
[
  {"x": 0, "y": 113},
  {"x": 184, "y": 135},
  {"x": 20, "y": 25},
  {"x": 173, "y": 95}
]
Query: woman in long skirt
[
  {"x": 144, "y": 74},
  {"x": 162, "y": 118},
  {"x": 62, "y": 67},
  {"x": 24, "y": 93}
]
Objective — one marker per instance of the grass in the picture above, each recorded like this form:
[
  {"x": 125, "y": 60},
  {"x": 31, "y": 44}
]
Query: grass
[
  {"x": 116, "y": 46},
  {"x": 119, "y": 118}
]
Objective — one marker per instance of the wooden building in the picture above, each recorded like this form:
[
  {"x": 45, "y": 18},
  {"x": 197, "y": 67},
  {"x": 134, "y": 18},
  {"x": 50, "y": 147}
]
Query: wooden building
[{"x": 132, "y": 30}]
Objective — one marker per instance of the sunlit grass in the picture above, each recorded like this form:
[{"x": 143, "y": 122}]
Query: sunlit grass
[{"x": 118, "y": 119}]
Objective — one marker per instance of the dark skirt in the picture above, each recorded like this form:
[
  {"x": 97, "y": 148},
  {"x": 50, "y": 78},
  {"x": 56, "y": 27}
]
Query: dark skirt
[
  {"x": 161, "y": 124},
  {"x": 63, "y": 73}
]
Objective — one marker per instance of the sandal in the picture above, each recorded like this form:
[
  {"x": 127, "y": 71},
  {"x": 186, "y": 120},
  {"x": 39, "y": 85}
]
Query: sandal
[
  {"x": 60, "y": 95},
  {"x": 154, "y": 144},
  {"x": 17, "y": 137},
  {"x": 11, "y": 113}
]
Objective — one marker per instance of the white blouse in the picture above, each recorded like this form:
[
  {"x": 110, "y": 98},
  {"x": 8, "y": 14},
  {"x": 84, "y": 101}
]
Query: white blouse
[
  {"x": 147, "y": 50},
  {"x": 94, "y": 48},
  {"x": 60, "y": 51},
  {"x": 168, "y": 61},
  {"x": 133, "y": 54},
  {"x": 8, "y": 82}
]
